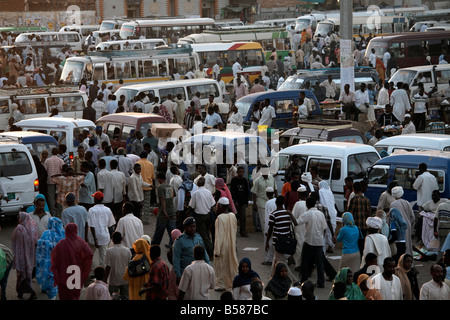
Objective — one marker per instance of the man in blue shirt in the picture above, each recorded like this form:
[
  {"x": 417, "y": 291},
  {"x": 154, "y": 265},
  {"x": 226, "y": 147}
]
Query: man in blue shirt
[{"x": 183, "y": 247}]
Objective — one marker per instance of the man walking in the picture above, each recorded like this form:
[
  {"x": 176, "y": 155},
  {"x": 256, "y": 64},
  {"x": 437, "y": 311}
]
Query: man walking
[
  {"x": 225, "y": 258},
  {"x": 129, "y": 226},
  {"x": 312, "y": 251}
]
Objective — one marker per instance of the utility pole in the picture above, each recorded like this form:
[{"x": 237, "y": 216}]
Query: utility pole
[{"x": 346, "y": 45}]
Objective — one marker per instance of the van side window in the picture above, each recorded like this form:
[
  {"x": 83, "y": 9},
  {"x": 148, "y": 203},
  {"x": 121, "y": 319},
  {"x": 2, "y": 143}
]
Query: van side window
[
  {"x": 324, "y": 166},
  {"x": 336, "y": 171},
  {"x": 99, "y": 72},
  {"x": 59, "y": 136},
  {"x": 173, "y": 91},
  {"x": 284, "y": 106},
  {"x": 358, "y": 164},
  {"x": 205, "y": 90},
  {"x": 405, "y": 177},
  {"x": 126, "y": 131},
  {"x": 33, "y": 105},
  {"x": 113, "y": 131}
]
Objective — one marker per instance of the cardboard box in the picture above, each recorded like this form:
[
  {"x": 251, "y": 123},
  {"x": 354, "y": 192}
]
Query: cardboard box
[{"x": 165, "y": 130}]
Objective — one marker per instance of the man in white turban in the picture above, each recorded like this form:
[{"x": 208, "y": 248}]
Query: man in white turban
[
  {"x": 376, "y": 242},
  {"x": 407, "y": 213}
]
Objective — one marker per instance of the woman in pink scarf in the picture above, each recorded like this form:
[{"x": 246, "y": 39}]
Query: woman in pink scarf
[
  {"x": 224, "y": 192},
  {"x": 71, "y": 261},
  {"x": 24, "y": 240}
]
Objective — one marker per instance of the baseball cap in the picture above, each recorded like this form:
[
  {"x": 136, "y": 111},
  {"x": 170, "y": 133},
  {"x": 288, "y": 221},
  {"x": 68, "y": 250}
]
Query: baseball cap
[{"x": 98, "y": 195}]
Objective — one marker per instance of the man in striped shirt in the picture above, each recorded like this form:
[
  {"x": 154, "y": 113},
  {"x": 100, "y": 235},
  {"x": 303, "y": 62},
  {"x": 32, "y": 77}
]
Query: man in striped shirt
[{"x": 280, "y": 222}]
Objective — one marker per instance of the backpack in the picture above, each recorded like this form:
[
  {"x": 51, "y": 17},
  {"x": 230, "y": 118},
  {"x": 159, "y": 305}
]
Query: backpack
[{"x": 137, "y": 268}]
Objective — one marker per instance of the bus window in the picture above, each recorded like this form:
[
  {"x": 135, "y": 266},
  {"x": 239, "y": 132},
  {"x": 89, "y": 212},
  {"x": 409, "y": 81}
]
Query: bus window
[
  {"x": 122, "y": 70},
  {"x": 72, "y": 37},
  {"x": 324, "y": 166},
  {"x": 149, "y": 69},
  {"x": 399, "y": 27},
  {"x": 415, "y": 49},
  {"x": 99, "y": 72},
  {"x": 110, "y": 70},
  {"x": 443, "y": 77},
  {"x": 66, "y": 103},
  {"x": 4, "y": 106},
  {"x": 254, "y": 57},
  {"x": 33, "y": 105},
  {"x": 395, "y": 47},
  {"x": 386, "y": 28},
  {"x": 434, "y": 47},
  {"x": 181, "y": 64},
  {"x": 205, "y": 90},
  {"x": 162, "y": 67}
]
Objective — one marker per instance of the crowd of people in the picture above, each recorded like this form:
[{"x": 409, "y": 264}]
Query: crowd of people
[{"x": 92, "y": 214}]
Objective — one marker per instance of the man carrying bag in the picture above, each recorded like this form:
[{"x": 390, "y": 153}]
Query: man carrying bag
[{"x": 280, "y": 228}]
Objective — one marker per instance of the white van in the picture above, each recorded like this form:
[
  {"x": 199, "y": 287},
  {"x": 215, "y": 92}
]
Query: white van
[
  {"x": 136, "y": 44},
  {"x": 334, "y": 160},
  {"x": 72, "y": 38},
  {"x": 65, "y": 130},
  {"x": 84, "y": 29},
  {"x": 18, "y": 176},
  {"x": 432, "y": 75},
  {"x": 414, "y": 142},
  {"x": 187, "y": 89},
  {"x": 39, "y": 102}
]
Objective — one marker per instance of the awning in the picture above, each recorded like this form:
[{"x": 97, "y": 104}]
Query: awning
[{"x": 313, "y": 1}]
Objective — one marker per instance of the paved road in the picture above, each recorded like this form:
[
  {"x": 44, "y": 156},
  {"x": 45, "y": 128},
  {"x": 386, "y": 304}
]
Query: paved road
[{"x": 251, "y": 247}]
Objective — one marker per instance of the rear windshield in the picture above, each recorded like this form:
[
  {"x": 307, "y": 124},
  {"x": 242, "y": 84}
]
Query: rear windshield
[{"x": 14, "y": 163}]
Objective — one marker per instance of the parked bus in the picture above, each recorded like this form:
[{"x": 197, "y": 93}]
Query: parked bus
[
  {"x": 83, "y": 29},
  {"x": 134, "y": 66},
  {"x": 249, "y": 53},
  {"x": 411, "y": 48},
  {"x": 130, "y": 44},
  {"x": 22, "y": 29},
  {"x": 268, "y": 38},
  {"x": 168, "y": 29},
  {"x": 363, "y": 26},
  {"x": 286, "y": 22}
]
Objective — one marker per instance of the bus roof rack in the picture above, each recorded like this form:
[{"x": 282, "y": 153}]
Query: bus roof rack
[
  {"x": 160, "y": 50},
  {"x": 38, "y": 90}
]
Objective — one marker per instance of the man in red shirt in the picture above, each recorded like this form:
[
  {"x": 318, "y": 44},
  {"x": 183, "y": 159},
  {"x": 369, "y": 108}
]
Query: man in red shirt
[{"x": 158, "y": 282}]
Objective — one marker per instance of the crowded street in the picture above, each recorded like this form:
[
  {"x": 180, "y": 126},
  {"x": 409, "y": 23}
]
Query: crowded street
[{"x": 225, "y": 156}]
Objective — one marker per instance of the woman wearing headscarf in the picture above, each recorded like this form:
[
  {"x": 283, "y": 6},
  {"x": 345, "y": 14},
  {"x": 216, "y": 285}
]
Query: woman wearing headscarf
[
  {"x": 241, "y": 283},
  {"x": 279, "y": 284},
  {"x": 364, "y": 282},
  {"x": 69, "y": 252},
  {"x": 408, "y": 215},
  {"x": 142, "y": 248},
  {"x": 408, "y": 277},
  {"x": 24, "y": 239},
  {"x": 223, "y": 191},
  {"x": 349, "y": 235},
  {"x": 172, "y": 291},
  {"x": 307, "y": 179},
  {"x": 352, "y": 291},
  {"x": 33, "y": 207},
  {"x": 327, "y": 199},
  {"x": 49, "y": 239},
  {"x": 398, "y": 232}
]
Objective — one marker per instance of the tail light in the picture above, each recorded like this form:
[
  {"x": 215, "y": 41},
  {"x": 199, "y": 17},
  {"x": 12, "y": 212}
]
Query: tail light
[{"x": 36, "y": 185}]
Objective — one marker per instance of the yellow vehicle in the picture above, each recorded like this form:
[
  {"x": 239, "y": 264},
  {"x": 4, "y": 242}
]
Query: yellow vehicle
[{"x": 250, "y": 55}]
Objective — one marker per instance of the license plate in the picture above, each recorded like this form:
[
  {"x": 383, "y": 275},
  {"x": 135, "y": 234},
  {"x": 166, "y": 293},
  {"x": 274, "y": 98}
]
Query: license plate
[{"x": 11, "y": 196}]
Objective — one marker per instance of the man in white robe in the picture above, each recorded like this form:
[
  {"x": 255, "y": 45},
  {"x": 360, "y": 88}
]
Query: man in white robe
[
  {"x": 425, "y": 184},
  {"x": 400, "y": 103},
  {"x": 376, "y": 242},
  {"x": 225, "y": 258},
  {"x": 297, "y": 211}
]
